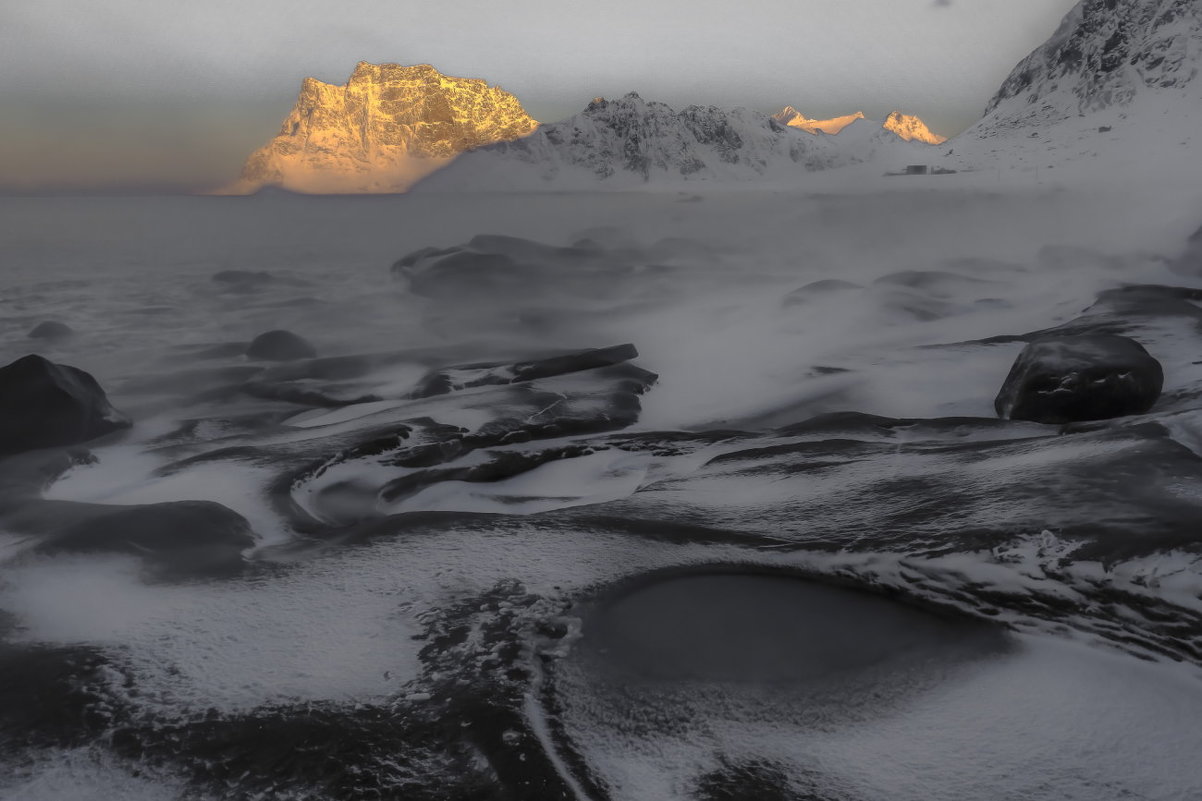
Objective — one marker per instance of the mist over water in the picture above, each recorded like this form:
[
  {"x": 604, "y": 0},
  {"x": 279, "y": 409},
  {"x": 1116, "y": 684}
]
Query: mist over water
[
  {"x": 428, "y": 562},
  {"x": 135, "y": 275}
]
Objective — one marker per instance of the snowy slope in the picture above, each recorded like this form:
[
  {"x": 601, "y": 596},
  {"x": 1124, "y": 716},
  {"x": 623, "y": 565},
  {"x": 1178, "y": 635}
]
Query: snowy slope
[
  {"x": 1105, "y": 54},
  {"x": 1117, "y": 80}
]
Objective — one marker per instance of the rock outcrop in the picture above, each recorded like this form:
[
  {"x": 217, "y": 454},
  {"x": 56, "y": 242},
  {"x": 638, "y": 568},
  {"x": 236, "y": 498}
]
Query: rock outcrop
[
  {"x": 388, "y": 126},
  {"x": 912, "y": 129},
  {"x": 906, "y": 126},
  {"x": 1075, "y": 378},
  {"x": 280, "y": 346},
  {"x": 45, "y": 405},
  {"x": 795, "y": 119}
]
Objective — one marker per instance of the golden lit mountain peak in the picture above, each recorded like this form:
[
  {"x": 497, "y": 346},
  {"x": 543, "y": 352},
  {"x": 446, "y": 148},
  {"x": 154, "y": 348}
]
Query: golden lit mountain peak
[
  {"x": 912, "y": 129},
  {"x": 386, "y": 127},
  {"x": 795, "y": 119},
  {"x": 906, "y": 126}
]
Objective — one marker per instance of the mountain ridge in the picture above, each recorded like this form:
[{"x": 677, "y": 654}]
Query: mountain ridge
[
  {"x": 631, "y": 141},
  {"x": 1102, "y": 54},
  {"x": 1117, "y": 80}
]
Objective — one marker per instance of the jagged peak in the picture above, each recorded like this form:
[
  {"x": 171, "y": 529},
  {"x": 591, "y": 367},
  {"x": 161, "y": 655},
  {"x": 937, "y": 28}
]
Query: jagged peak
[
  {"x": 629, "y": 103},
  {"x": 1104, "y": 53},
  {"x": 387, "y": 126},
  {"x": 391, "y": 66},
  {"x": 367, "y": 72},
  {"x": 315, "y": 83},
  {"x": 630, "y": 99},
  {"x": 912, "y": 128},
  {"x": 795, "y": 119}
]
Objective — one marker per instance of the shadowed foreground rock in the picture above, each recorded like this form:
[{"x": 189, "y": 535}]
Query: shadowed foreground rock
[
  {"x": 1075, "y": 378},
  {"x": 181, "y": 537},
  {"x": 44, "y": 405},
  {"x": 280, "y": 346}
]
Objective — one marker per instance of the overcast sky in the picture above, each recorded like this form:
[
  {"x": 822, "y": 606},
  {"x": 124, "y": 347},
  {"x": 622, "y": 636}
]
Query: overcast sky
[{"x": 175, "y": 94}]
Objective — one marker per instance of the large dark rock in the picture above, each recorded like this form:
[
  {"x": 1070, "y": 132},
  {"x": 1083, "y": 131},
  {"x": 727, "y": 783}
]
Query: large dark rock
[
  {"x": 179, "y": 538},
  {"x": 1093, "y": 377},
  {"x": 52, "y": 331},
  {"x": 44, "y": 405},
  {"x": 184, "y": 537},
  {"x": 458, "y": 273},
  {"x": 491, "y": 269},
  {"x": 818, "y": 289},
  {"x": 242, "y": 279},
  {"x": 280, "y": 346}
]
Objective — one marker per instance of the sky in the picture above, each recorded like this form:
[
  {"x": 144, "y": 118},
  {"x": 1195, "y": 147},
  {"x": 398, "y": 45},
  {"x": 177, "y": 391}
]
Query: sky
[{"x": 147, "y": 94}]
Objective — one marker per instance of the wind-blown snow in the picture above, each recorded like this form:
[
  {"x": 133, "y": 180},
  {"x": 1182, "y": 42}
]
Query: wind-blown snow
[{"x": 527, "y": 403}]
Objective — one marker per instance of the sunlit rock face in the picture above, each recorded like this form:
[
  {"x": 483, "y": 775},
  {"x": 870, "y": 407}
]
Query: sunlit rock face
[
  {"x": 795, "y": 119},
  {"x": 906, "y": 126},
  {"x": 388, "y": 126},
  {"x": 912, "y": 129}
]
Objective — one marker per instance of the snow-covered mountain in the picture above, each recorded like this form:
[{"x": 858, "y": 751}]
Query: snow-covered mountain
[
  {"x": 906, "y": 126},
  {"x": 385, "y": 128},
  {"x": 1118, "y": 77},
  {"x": 631, "y": 141},
  {"x": 1105, "y": 53}
]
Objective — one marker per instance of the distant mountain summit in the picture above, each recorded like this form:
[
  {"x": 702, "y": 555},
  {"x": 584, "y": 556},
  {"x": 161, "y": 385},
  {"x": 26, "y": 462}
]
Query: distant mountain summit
[
  {"x": 795, "y": 119},
  {"x": 630, "y": 142},
  {"x": 388, "y": 126},
  {"x": 912, "y": 129},
  {"x": 906, "y": 126}
]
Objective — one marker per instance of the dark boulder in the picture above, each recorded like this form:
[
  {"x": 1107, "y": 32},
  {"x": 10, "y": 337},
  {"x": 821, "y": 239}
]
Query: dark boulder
[
  {"x": 818, "y": 289},
  {"x": 182, "y": 537},
  {"x": 574, "y": 362},
  {"x": 280, "y": 346},
  {"x": 467, "y": 273},
  {"x": 44, "y": 405},
  {"x": 52, "y": 331},
  {"x": 1092, "y": 377},
  {"x": 243, "y": 280}
]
